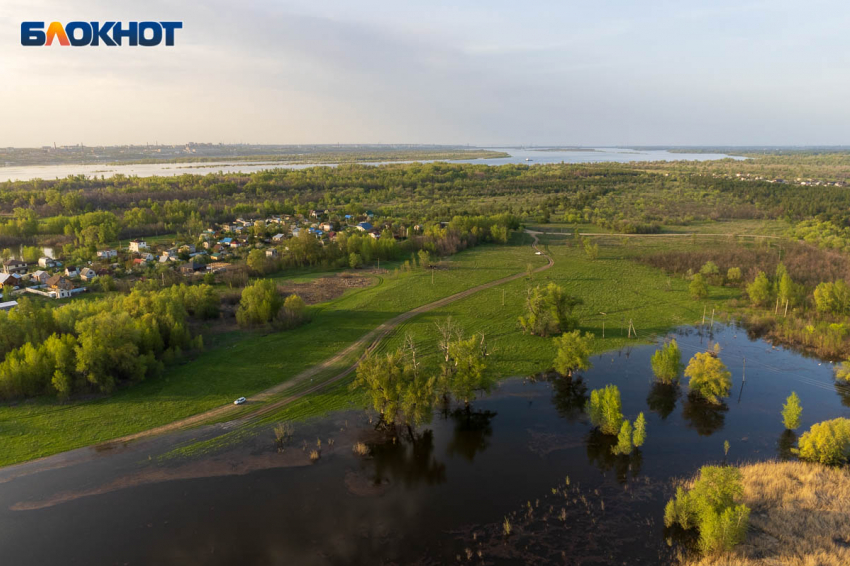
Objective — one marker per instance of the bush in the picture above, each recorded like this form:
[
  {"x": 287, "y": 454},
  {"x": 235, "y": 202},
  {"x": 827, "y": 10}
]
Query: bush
[
  {"x": 709, "y": 505},
  {"x": 827, "y": 442},
  {"x": 842, "y": 372},
  {"x": 667, "y": 362},
  {"x": 573, "y": 352},
  {"x": 624, "y": 440},
  {"x": 605, "y": 409},
  {"x": 791, "y": 412},
  {"x": 709, "y": 378},
  {"x": 733, "y": 274}
]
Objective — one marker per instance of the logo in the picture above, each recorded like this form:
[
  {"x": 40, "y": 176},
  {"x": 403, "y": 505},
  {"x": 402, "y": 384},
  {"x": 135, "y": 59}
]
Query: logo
[{"x": 78, "y": 34}]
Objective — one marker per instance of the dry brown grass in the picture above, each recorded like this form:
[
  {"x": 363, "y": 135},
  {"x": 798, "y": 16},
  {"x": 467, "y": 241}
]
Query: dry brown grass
[{"x": 800, "y": 517}]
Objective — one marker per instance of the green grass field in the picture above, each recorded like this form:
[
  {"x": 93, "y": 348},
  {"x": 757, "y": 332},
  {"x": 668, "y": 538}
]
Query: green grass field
[
  {"x": 244, "y": 363},
  {"x": 613, "y": 284}
]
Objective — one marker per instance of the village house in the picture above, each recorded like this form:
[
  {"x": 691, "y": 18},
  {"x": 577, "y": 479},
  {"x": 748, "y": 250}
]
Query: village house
[
  {"x": 9, "y": 279},
  {"x": 14, "y": 266},
  {"x": 279, "y": 237},
  {"x": 72, "y": 271},
  {"x": 271, "y": 252},
  {"x": 46, "y": 262},
  {"x": 326, "y": 226},
  {"x": 138, "y": 245},
  {"x": 107, "y": 254},
  {"x": 191, "y": 267},
  {"x": 40, "y": 277},
  {"x": 364, "y": 227},
  {"x": 58, "y": 287}
]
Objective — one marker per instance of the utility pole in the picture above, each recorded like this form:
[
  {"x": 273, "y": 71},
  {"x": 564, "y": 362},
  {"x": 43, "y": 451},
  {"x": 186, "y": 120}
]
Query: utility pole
[
  {"x": 603, "y": 324},
  {"x": 503, "y": 297},
  {"x": 703, "y": 314},
  {"x": 744, "y": 372}
]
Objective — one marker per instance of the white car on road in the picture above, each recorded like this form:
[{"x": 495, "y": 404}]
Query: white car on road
[{"x": 240, "y": 401}]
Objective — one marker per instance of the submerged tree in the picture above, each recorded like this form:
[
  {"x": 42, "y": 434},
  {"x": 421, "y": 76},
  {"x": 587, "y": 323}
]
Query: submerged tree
[
  {"x": 791, "y": 412},
  {"x": 573, "y": 352},
  {"x": 709, "y": 377},
  {"x": 605, "y": 409},
  {"x": 697, "y": 288},
  {"x": 827, "y": 442},
  {"x": 470, "y": 377},
  {"x": 549, "y": 310},
  {"x": 667, "y": 362}
]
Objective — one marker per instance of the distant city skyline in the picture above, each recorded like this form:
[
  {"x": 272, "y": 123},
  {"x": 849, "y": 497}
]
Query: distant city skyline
[{"x": 592, "y": 74}]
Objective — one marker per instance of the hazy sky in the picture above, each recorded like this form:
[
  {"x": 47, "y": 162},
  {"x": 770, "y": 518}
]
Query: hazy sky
[{"x": 326, "y": 71}]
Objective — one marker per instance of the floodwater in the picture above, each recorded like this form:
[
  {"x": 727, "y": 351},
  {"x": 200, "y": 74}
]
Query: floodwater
[
  {"x": 517, "y": 155},
  {"x": 440, "y": 495}
]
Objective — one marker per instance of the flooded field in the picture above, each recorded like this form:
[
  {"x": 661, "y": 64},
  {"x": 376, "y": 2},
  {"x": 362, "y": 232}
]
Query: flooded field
[{"x": 524, "y": 460}]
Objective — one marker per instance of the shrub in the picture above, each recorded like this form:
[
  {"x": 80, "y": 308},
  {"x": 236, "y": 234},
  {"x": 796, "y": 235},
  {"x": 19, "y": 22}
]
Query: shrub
[
  {"x": 573, "y": 352},
  {"x": 827, "y": 442},
  {"x": 605, "y": 409},
  {"x": 709, "y": 378},
  {"x": 842, "y": 372},
  {"x": 734, "y": 274},
  {"x": 709, "y": 505},
  {"x": 791, "y": 411},
  {"x": 667, "y": 362}
]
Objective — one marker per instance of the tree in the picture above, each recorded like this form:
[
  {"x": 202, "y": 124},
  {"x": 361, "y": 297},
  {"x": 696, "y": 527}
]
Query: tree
[
  {"x": 624, "y": 445},
  {"x": 827, "y": 442},
  {"x": 107, "y": 350},
  {"x": 832, "y": 298},
  {"x": 354, "y": 260},
  {"x": 667, "y": 362},
  {"x": 605, "y": 409},
  {"x": 733, "y": 274},
  {"x": 640, "y": 431},
  {"x": 709, "y": 378},
  {"x": 698, "y": 289},
  {"x": 791, "y": 412},
  {"x": 710, "y": 507},
  {"x": 260, "y": 303},
  {"x": 573, "y": 352},
  {"x": 548, "y": 311},
  {"x": 293, "y": 312},
  {"x": 424, "y": 259},
  {"x": 842, "y": 371},
  {"x": 258, "y": 262},
  {"x": 759, "y": 290},
  {"x": 710, "y": 271},
  {"x": 470, "y": 377}
]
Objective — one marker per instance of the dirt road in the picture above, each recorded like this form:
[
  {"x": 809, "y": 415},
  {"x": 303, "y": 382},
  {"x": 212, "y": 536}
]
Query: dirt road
[{"x": 370, "y": 340}]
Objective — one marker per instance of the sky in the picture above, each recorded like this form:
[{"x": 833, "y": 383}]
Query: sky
[{"x": 593, "y": 73}]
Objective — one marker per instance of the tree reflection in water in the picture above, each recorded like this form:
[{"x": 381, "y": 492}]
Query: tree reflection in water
[
  {"x": 843, "y": 390},
  {"x": 472, "y": 432},
  {"x": 570, "y": 397},
  {"x": 704, "y": 417},
  {"x": 787, "y": 441},
  {"x": 662, "y": 398},
  {"x": 599, "y": 453},
  {"x": 408, "y": 459}
]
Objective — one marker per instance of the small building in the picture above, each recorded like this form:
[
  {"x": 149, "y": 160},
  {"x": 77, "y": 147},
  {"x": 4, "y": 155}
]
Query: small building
[
  {"x": 14, "y": 266},
  {"x": 8, "y": 305},
  {"x": 72, "y": 271},
  {"x": 271, "y": 252},
  {"x": 88, "y": 274},
  {"x": 364, "y": 227},
  {"x": 107, "y": 254},
  {"x": 326, "y": 226},
  {"x": 138, "y": 245},
  {"x": 279, "y": 237},
  {"x": 46, "y": 262},
  {"x": 191, "y": 267}
]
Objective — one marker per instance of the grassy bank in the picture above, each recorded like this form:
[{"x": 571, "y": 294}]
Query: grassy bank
[
  {"x": 243, "y": 363},
  {"x": 799, "y": 517}
]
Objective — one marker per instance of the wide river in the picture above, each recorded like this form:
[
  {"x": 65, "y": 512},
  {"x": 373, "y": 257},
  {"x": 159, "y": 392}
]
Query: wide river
[
  {"x": 517, "y": 155},
  {"x": 525, "y": 454}
]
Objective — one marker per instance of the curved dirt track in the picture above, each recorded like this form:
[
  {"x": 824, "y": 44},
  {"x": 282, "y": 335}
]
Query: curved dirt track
[{"x": 371, "y": 338}]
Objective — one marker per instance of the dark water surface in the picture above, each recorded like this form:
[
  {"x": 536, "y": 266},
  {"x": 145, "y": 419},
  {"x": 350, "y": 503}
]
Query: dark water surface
[{"x": 526, "y": 453}]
